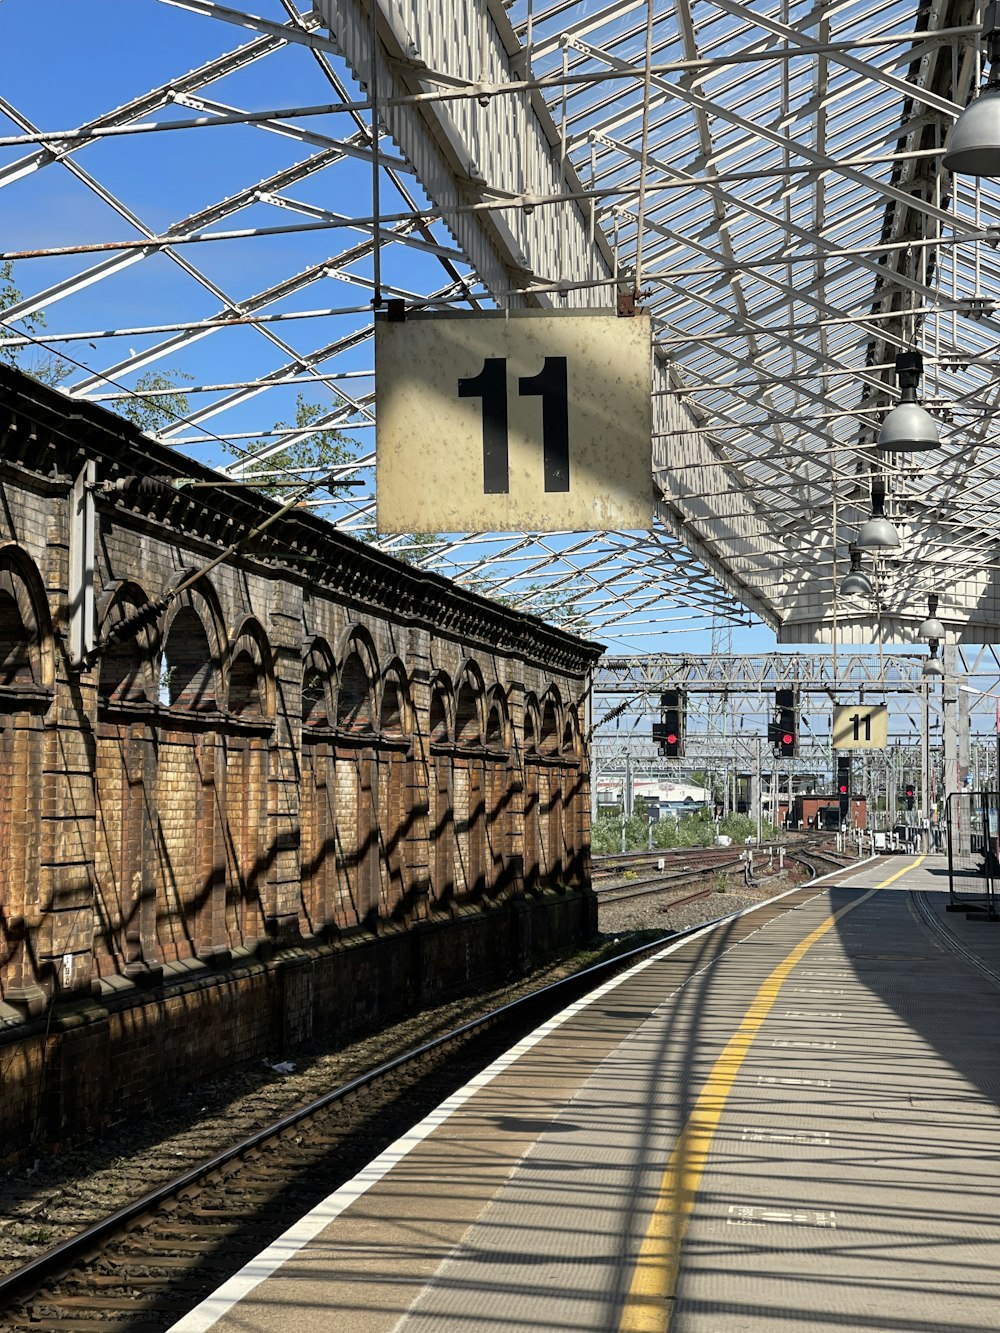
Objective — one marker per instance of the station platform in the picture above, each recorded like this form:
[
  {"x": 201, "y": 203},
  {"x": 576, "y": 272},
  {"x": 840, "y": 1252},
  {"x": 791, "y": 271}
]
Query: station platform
[{"x": 789, "y": 1121}]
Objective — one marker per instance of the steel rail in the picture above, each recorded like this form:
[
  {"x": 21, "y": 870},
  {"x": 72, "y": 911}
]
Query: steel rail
[{"x": 73, "y": 1250}]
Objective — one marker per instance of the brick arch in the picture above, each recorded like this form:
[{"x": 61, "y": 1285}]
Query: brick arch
[
  {"x": 250, "y": 699},
  {"x": 532, "y": 722},
  {"x": 551, "y": 795},
  {"x": 250, "y": 691},
  {"x": 497, "y": 734},
  {"x": 470, "y": 693},
  {"x": 469, "y": 784},
  {"x": 394, "y": 788},
  {"x": 27, "y": 674},
  {"x": 126, "y": 776},
  {"x": 499, "y": 870},
  {"x": 194, "y": 650},
  {"x": 319, "y": 677},
  {"x": 442, "y": 713},
  {"x": 190, "y": 824},
  {"x": 319, "y": 887},
  {"x": 357, "y": 673},
  {"x": 551, "y": 712},
  {"x": 26, "y": 642},
  {"x": 395, "y": 717},
  {"x": 441, "y": 821},
  {"x": 532, "y": 833},
  {"x": 128, "y": 665},
  {"x": 572, "y": 740}
]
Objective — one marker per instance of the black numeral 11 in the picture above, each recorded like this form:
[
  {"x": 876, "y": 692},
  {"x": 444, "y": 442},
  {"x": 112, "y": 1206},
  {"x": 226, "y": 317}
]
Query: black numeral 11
[{"x": 550, "y": 385}]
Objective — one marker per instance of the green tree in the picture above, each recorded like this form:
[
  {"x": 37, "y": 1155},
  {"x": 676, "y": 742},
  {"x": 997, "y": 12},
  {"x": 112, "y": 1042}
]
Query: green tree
[
  {"x": 156, "y": 401},
  {"x": 305, "y": 460},
  {"x": 412, "y": 547},
  {"x": 49, "y": 367},
  {"x": 606, "y": 834}
]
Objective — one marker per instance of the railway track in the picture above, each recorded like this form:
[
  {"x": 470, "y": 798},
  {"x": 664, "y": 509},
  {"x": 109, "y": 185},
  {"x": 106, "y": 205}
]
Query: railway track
[{"x": 145, "y": 1265}]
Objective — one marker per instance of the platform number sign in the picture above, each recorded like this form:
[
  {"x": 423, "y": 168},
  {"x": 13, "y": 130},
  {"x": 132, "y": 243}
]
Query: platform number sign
[
  {"x": 860, "y": 726},
  {"x": 525, "y": 420},
  {"x": 550, "y": 385}
]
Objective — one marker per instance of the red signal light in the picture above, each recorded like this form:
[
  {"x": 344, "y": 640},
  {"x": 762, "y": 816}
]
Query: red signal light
[
  {"x": 671, "y": 738},
  {"x": 843, "y": 789},
  {"x": 787, "y": 738}
]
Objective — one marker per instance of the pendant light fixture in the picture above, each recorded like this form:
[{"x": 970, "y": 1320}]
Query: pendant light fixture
[
  {"x": 908, "y": 427},
  {"x": 856, "y": 582},
  {"x": 932, "y": 628},
  {"x": 932, "y": 664},
  {"x": 974, "y": 145},
  {"x": 878, "y": 534}
]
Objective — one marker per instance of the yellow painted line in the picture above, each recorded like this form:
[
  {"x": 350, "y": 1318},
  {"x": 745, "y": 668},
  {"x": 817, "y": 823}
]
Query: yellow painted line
[{"x": 649, "y": 1302}]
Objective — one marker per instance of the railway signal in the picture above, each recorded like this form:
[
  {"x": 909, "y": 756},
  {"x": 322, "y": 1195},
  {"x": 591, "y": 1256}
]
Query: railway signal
[
  {"x": 669, "y": 731},
  {"x": 844, "y": 784},
  {"x": 783, "y": 732}
]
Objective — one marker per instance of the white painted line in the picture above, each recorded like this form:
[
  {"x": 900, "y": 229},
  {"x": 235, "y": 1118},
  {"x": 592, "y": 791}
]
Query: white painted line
[
  {"x": 819, "y": 1138},
  {"x": 812, "y": 1013},
  {"x": 768, "y": 1080},
  {"x": 808, "y": 1045},
  {"x": 279, "y": 1252},
  {"x": 741, "y": 1215}
]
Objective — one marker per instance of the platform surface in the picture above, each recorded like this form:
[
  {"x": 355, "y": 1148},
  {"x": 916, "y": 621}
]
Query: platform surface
[{"x": 801, "y": 1134}]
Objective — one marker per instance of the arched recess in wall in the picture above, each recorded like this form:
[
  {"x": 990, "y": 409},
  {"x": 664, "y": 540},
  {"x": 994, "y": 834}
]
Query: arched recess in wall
[
  {"x": 469, "y": 782},
  {"x": 125, "y": 789},
  {"x": 550, "y": 786},
  {"x": 191, "y": 896},
  {"x": 575, "y": 799},
  {"x": 247, "y": 738},
  {"x": 441, "y": 821},
  {"x": 359, "y": 867},
  {"x": 320, "y": 908},
  {"x": 395, "y": 787},
  {"x": 498, "y": 794},
  {"x": 532, "y": 819},
  {"x": 27, "y": 678}
]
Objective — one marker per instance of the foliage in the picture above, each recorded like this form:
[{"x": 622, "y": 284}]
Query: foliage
[
  {"x": 49, "y": 367},
  {"x": 741, "y": 827},
  {"x": 412, "y": 547},
  {"x": 606, "y": 834},
  {"x": 156, "y": 401},
  {"x": 325, "y": 449}
]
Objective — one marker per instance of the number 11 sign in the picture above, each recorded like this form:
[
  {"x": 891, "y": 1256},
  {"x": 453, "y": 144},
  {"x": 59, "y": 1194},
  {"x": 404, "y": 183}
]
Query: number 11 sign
[
  {"x": 500, "y": 421},
  {"x": 860, "y": 726}
]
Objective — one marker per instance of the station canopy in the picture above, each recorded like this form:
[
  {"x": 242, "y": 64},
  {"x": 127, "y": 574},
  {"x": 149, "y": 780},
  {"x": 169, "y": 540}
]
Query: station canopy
[{"x": 194, "y": 231}]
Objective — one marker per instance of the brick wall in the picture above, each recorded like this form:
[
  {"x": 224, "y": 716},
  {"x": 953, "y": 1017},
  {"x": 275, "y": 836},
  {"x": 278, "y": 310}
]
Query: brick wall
[{"x": 279, "y": 798}]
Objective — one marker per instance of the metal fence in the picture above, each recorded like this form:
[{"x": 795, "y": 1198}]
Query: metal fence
[{"x": 974, "y": 851}]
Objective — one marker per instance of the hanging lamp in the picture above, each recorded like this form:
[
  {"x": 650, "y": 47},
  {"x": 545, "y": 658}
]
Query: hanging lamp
[
  {"x": 908, "y": 427},
  {"x": 932, "y": 628},
  {"x": 974, "y": 145},
  {"x": 856, "y": 582}
]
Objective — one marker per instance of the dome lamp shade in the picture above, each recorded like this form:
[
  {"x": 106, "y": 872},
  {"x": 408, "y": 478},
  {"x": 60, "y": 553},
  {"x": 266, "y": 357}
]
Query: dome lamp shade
[
  {"x": 974, "y": 145},
  {"x": 878, "y": 534},
  {"x": 856, "y": 582},
  {"x": 908, "y": 427},
  {"x": 932, "y": 628}
]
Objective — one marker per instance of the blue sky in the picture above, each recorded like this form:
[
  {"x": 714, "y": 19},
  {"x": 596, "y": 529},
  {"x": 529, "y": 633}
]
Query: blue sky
[{"x": 98, "y": 56}]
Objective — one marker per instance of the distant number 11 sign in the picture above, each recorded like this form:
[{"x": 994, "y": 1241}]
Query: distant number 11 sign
[
  {"x": 527, "y": 420},
  {"x": 860, "y": 726}
]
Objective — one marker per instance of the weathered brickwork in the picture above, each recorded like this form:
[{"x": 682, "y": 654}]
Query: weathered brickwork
[{"x": 292, "y": 791}]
